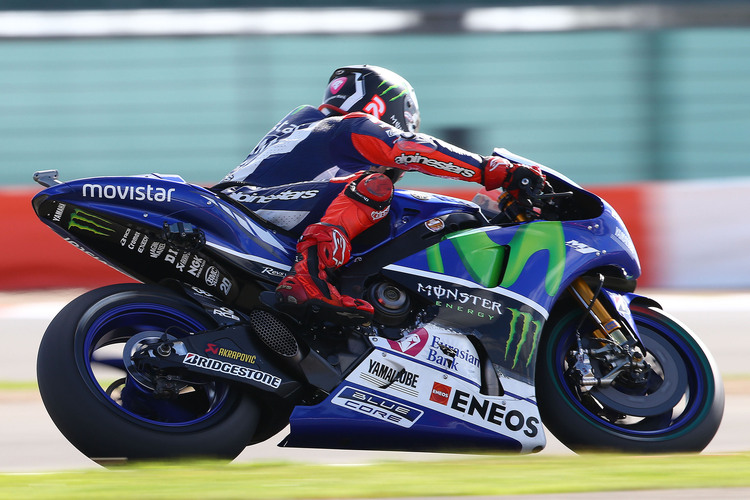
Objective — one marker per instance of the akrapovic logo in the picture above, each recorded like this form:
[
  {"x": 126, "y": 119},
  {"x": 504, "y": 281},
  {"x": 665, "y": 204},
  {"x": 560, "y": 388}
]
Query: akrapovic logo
[
  {"x": 405, "y": 159},
  {"x": 239, "y": 371},
  {"x": 135, "y": 193}
]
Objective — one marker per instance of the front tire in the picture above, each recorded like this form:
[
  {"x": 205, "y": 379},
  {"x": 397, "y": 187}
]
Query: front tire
[
  {"x": 686, "y": 391},
  {"x": 104, "y": 411}
]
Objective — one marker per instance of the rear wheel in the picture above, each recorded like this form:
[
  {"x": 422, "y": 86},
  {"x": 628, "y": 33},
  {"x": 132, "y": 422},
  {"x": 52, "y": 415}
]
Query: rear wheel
[
  {"x": 676, "y": 406},
  {"x": 105, "y": 408}
]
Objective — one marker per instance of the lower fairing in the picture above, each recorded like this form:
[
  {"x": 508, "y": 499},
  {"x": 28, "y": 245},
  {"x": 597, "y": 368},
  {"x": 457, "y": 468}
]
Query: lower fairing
[{"x": 406, "y": 397}]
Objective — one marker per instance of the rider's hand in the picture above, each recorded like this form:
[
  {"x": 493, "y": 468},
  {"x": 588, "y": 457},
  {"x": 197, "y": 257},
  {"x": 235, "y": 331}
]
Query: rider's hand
[{"x": 523, "y": 181}]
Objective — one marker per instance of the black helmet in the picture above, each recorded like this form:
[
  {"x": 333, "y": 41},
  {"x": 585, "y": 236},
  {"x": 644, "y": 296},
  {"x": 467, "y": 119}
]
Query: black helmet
[{"x": 374, "y": 90}]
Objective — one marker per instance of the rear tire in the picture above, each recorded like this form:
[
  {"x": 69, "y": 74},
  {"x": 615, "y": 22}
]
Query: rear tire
[
  {"x": 104, "y": 412},
  {"x": 687, "y": 396}
]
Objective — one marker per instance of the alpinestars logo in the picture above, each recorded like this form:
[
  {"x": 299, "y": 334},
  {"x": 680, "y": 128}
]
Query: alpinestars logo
[
  {"x": 287, "y": 195},
  {"x": 404, "y": 159},
  {"x": 376, "y": 215},
  {"x": 89, "y": 222},
  {"x": 522, "y": 328}
]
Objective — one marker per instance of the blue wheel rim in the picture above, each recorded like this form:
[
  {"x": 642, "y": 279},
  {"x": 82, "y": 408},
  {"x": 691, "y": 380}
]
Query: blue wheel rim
[
  {"x": 697, "y": 393},
  {"x": 113, "y": 327}
]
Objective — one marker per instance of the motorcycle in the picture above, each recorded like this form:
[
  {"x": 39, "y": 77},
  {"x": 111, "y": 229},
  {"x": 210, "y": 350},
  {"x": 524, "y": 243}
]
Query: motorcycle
[{"x": 492, "y": 321}]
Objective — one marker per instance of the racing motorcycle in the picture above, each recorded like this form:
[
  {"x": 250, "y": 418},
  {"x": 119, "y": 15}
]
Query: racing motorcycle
[{"x": 492, "y": 321}]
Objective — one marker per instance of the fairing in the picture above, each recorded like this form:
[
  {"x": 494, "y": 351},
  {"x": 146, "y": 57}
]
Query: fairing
[
  {"x": 124, "y": 222},
  {"x": 490, "y": 289}
]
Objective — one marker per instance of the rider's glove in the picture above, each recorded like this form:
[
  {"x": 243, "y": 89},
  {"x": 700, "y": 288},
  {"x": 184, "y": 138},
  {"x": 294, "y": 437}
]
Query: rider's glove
[
  {"x": 499, "y": 172},
  {"x": 523, "y": 181}
]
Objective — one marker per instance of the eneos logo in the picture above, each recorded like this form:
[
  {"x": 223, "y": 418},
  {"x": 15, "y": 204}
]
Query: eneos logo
[{"x": 440, "y": 393}]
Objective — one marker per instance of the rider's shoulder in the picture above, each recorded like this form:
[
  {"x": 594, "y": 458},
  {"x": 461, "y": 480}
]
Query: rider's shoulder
[
  {"x": 358, "y": 114},
  {"x": 304, "y": 113}
]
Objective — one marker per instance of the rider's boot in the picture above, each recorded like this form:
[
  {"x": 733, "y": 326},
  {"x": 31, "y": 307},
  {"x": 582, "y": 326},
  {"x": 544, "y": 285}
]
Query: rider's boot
[
  {"x": 326, "y": 246},
  {"x": 322, "y": 249}
]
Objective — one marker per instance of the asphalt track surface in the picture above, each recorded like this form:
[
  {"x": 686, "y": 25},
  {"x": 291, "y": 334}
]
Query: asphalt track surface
[{"x": 29, "y": 441}]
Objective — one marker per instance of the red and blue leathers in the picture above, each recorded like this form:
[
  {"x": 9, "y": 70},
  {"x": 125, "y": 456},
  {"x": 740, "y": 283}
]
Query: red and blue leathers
[
  {"x": 324, "y": 162},
  {"x": 307, "y": 145}
]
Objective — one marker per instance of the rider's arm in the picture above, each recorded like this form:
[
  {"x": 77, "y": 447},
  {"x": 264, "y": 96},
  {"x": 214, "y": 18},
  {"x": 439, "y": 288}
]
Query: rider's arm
[{"x": 378, "y": 143}]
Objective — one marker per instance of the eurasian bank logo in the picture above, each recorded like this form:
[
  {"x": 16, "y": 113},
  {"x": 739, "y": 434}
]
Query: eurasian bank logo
[
  {"x": 523, "y": 329},
  {"x": 89, "y": 222}
]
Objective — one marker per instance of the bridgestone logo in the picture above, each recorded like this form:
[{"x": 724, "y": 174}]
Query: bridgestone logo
[
  {"x": 238, "y": 371},
  {"x": 405, "y": 159}
]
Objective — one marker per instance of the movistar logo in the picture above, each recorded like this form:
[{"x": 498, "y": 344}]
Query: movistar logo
[
  {"x": 89, "y": 222},
  {"x": 523, "y": 328}
]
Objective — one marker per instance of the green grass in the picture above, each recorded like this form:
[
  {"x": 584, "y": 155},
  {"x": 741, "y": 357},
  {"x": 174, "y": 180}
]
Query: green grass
[
  {"x": 497, "y": 475},
  {"x": 12, "y": 385}
]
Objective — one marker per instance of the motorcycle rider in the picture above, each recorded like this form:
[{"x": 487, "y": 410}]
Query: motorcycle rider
[{"x": 355, "y": 145}]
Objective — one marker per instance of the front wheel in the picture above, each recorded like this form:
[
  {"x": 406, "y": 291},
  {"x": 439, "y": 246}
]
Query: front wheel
[
  {"x": 102, "y": 405},
  {"x": 676, "y": 408}
]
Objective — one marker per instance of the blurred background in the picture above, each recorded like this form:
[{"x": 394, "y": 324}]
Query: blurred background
[{"x": 645, "y": 103}]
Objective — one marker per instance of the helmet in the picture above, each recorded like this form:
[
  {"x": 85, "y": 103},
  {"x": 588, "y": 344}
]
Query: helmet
[{"x": 374, "y": 90}]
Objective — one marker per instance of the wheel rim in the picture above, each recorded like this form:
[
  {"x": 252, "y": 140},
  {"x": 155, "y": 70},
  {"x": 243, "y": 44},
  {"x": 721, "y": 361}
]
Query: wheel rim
[
  {"x": 104, "y": 362},
  {"x": 675, "y": 416}
]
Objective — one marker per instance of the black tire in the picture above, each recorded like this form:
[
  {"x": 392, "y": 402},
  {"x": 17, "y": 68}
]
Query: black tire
[
  {"x": 682, "y": 415},
  {"x": 210, "y": 420}
]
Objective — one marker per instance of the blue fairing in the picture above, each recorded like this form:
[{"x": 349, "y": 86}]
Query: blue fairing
[
  {"x": 501, "y": 282},
  {"x": 378, "y": 422},
  {"x": 152, "y": 200},
  {"x": 543, "y": 257},
  {"x": 146, "y": 203}
]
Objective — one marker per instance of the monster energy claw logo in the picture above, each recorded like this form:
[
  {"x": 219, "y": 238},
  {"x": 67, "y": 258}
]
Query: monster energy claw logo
[
  {"x": 522, "y": 327},
  {"x": 392, "y": 87},
  {"x": 89, "y": 222}
]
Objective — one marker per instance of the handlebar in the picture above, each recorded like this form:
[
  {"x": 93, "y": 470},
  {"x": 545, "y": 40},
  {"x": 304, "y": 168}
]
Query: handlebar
[{"x": 531, "y": 204}]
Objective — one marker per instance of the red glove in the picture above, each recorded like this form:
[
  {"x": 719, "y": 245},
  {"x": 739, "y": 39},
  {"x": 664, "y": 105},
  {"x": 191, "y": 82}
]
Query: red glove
[
  {"x": 523, "y": 177},
  {"x": 499, "y": 172}
]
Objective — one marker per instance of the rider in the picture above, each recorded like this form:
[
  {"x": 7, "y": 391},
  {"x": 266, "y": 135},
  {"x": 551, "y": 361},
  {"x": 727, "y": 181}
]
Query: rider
[{"x": 358, "y": 142}]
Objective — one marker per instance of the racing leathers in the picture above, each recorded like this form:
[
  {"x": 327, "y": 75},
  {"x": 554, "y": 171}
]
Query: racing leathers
[{"x": 333, "y": 164}]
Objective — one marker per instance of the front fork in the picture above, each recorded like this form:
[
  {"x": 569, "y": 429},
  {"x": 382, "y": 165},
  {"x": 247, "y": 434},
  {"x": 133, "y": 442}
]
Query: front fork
[
  {"x": 617, "y": 352},
  {"x": 608, "y": 327}
]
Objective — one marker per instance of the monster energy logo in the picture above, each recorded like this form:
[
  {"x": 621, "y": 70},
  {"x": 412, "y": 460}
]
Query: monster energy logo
[
  {"x": 89, "y": 222},
  {"x": 522, "y": 327},
  {"x": 391, "y": 87}
]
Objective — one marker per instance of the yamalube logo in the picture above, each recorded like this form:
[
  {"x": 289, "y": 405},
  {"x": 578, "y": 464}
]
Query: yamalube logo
[{"x": 135, "y": 193}]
